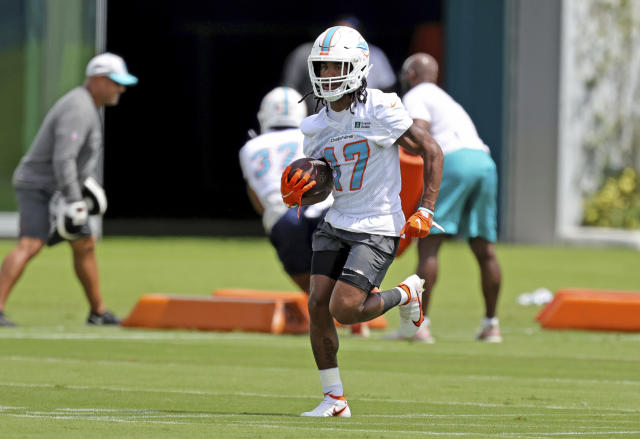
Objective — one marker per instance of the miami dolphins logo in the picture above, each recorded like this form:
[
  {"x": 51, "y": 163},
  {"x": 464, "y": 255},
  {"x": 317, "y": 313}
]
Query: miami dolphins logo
[{"x": 362, "y": 45}]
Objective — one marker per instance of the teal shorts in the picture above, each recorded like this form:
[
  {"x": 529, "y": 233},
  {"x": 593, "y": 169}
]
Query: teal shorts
[{"x": 467, "y": 202}]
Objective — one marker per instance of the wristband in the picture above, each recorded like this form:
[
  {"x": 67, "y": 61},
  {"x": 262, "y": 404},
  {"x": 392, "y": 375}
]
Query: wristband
[{"x": 426, "y": 210}]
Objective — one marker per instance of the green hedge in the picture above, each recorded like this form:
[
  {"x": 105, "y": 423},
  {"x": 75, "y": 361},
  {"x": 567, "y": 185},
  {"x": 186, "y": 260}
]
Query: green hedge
[{"x": 617, "y": 202}]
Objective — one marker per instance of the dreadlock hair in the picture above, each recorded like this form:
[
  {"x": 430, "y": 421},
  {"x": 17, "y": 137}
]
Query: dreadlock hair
[{"x": 360, "y": 95}]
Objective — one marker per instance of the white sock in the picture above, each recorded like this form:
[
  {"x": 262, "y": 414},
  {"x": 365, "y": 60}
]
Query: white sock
[
  {"x": 331, "y": 383},
  {"x": 405, "y": 296},
  {"x": 426, "y": 322},
  {"x": 489, "y": 322}
]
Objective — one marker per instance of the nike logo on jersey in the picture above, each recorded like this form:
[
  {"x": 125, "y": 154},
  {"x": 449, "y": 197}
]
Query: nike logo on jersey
[{"x": 394, "y": 104}]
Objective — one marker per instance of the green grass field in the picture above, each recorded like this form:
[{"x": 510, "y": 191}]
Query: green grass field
[{"x": 61, "y": 379}]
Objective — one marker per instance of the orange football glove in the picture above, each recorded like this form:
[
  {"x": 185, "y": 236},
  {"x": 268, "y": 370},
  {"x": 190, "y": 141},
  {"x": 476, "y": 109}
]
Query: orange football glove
[
  {"x": 293, "y": 189},
  {"x": 419, "y": 224}
]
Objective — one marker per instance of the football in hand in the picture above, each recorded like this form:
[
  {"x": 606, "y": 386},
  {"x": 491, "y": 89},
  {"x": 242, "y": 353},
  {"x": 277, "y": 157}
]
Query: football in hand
[{"x": 320, "y": 172}]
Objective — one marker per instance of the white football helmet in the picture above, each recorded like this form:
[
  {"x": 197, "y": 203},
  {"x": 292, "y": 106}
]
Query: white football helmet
[
  {"x": 281, "y": 107},
  {"x": 344, "y": 45}
]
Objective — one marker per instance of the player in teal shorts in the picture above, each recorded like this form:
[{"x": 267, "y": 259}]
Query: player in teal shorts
[
  {"x": 467, "y": 202},
  {"x": 468, "y": 195}
]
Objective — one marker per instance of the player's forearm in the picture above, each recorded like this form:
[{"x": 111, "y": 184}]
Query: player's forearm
[
  {"x": 65, "y": 167},
  {"x": 431, "y": 172},
  {"x": 418, "y": 141},
  {"x": 66, "y": 174}
]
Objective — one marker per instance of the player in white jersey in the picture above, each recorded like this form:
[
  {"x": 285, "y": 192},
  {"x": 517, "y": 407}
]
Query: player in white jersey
[
  {"x": 467, "y": 203},
  {"x": 358, "y": 131},
  {"x": 262, "y": 160}
]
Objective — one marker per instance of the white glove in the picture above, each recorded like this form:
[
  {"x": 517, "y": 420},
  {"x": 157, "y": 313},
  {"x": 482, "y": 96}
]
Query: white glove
[
  {"x": 70, "y": 218},
  {"x": 94, "y": 196},
  {"x": 77, "y": 212}
]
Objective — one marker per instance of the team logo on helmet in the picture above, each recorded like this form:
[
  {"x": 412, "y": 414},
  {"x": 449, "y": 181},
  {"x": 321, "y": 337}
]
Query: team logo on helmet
[{"x": 364, "y": 47}]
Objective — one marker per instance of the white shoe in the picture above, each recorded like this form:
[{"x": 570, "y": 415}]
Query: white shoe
[
  {"x": 489, "y": 331},
  {"x": 411, "y": 311},
  {"x": 423, "y": 335},
  {"x": 489, "y": 334},
  {"x": 330, "y": 406}
]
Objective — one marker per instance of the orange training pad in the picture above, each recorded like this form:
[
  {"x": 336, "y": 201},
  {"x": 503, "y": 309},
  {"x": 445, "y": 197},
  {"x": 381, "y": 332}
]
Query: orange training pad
[
  {"x": 592, "y": 309},
  {"x": 275, "y": 316},
  {"x": 299, "y": 297}
]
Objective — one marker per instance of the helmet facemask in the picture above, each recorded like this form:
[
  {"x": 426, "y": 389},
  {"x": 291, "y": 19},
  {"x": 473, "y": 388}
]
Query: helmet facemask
[{"x": 348, "y": 82}]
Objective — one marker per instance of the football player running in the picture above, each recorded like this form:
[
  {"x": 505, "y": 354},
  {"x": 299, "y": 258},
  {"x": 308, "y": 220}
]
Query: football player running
[
  {"x": 358, "y": 131},
  {"x": 262, "y": 160}
]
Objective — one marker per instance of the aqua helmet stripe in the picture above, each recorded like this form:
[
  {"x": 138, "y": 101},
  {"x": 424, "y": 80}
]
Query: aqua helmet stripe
[{"x": 325, "y": 46}]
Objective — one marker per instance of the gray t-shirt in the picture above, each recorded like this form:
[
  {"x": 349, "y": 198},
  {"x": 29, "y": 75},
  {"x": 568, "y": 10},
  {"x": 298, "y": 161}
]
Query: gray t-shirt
[{"x": 66, "y": 149}]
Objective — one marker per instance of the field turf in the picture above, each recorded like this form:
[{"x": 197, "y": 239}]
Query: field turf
[{"x": 62, "y": 379}]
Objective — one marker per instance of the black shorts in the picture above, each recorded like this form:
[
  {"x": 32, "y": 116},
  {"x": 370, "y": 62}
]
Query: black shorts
[
  {"x": 360, "y": 259},
  {"x": 36, "y": 220},
  {"x": 291, "y": 236}
]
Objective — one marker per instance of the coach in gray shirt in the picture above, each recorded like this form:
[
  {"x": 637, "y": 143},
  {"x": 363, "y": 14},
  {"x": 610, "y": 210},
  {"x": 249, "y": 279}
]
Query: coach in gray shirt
[{"x": 52, "y": 179}]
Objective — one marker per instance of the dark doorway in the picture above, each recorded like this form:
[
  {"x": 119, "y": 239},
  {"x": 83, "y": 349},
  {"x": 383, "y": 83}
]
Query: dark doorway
[{"x": 172, "y": 143}]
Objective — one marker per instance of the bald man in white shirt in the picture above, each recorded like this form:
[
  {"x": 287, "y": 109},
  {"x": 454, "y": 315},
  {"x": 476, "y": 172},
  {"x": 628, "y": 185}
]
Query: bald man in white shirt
[{"x": 467, "y": 202}]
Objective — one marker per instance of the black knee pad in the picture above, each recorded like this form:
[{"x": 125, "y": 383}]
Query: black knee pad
[
  {"x": 356, "y": 279},
  {"x": 329, "y": 263}
]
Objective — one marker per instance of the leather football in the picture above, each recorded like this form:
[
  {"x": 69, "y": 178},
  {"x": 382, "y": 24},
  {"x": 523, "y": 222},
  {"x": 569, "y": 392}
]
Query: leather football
[{"x": 320, "y": 172}]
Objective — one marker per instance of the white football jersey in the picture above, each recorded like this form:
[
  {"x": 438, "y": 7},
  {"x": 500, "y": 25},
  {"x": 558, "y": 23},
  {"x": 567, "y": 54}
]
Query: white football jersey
[
  {"x": 263, "y": 159},
  {"x": 361, "y": 149},
  {"x": 450, "y": 125}
]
